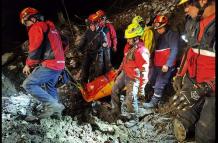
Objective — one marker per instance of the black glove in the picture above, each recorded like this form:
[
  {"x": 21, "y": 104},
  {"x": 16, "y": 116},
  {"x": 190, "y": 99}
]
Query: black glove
[
  {"x": 205, "y": 88},
  {"x": 185, "y": 99},
  {"x": 177, "y": 83}
]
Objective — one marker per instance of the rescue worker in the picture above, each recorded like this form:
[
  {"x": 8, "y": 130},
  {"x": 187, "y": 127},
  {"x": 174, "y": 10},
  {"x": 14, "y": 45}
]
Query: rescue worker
[
  {"x": 148, "y": 39},
  {"x": 110, "y": 32},
  {"x": 164, "y": 58},
  {"x": 148, "y": 34},
  {"x": 134, "y": 74},
  {"x": 45, "y": 58},
  {"x": 195, "y": 80},
  {"x": 92, "y": 45}
]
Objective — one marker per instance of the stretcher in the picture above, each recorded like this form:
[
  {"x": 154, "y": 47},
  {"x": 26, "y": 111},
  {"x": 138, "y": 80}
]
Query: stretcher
[{"x": 98, "y": 88}]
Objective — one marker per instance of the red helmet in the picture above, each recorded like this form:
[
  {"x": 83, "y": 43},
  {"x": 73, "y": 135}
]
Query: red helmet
[
  {"x": 27, "y": 12},
  {"x": 100, "y": 13},
  {"x": 160, "y": 21},
  {"x": 93, "y": 18}
]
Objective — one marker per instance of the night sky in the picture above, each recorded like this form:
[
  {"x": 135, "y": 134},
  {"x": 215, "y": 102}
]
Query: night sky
[{"x": 13, "y": 33}]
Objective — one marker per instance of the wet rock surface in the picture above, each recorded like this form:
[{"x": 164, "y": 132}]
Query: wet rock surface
[
  {"x": 7, "y": 57},
  {"x": 71, "y": 129},
  {"x": 77, "y": 127},
  {"x": 148, "y": 10}
]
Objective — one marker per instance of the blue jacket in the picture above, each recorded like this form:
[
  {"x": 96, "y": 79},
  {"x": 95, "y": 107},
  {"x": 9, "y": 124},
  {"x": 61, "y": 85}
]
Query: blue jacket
[{"x": 166, "y": 48}]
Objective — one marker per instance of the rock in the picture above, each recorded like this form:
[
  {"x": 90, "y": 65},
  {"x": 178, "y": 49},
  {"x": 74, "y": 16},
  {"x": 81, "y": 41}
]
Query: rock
[
  {"x": 144, "y": 112},
  {"x": 154, "y": 5},
  {"x": 12, "y": 109},
  {"x": 73, "y": 63},
  {"x": 6, "y": 116},
  {"x": 22, "y": 100},
  {"x": 143, "y": 134},
  {"x": 172, "y": 8},
  {"x": 120, "y": 122},
  {"x": 7, "y": 57},
  {"x": 103, "y": 127},
  {"x": 8, "y": 88},
  {"x": 22, "y": 111},
  {"x": 12, "y": 67}
]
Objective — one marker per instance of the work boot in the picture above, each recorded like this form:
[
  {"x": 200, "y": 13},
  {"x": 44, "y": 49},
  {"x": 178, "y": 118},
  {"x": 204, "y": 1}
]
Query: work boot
[
  {"x": 58, "y": 111},
  {"x": 133, "y": 121},
  {"x": 48, "y": 111},
  {"x": 115, "y": 105},
  {"x": 115, "y": 110},
  {"x": 153, "y": 103},
  {"x": 125, "y": 113},
  {"x": 142, "y": 112}
]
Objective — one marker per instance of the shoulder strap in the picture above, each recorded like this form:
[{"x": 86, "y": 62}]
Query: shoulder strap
[
  {"x": 89, "y": 44},
  {"x": 208, "y": 38}
]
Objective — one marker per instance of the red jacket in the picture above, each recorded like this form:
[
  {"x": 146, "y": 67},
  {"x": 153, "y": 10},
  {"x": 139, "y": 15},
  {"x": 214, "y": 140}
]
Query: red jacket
[
  {"x": 140, "y": 62},
  {"x": 111, "y": 36},
  {"x": 45, "y": 46},
  {"x": 200, "y": 61}
]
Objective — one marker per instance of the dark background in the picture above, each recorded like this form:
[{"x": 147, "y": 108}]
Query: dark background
[{"x": 13, "y": 33}]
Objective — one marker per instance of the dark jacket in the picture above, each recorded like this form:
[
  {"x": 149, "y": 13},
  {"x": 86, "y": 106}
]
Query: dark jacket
[
  {"x": 166, "y": 48},
  {"x": 92, "y": 41},
  {"x": 199, "y": 61}
]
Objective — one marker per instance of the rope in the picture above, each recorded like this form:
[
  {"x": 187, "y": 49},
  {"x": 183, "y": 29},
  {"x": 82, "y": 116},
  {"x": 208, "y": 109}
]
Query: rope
[{"x": 67, "y": 17}]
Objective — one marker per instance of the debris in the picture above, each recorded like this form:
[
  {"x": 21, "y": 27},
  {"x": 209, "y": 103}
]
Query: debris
[{"x": 7, "y": 57}]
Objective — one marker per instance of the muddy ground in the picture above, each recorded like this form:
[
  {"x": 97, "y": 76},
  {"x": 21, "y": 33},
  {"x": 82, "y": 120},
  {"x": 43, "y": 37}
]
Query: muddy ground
[
  {"x": 79, "y": 124},
  {"x": 84, "y": 126},
  {"x": 78, "y": 128}
]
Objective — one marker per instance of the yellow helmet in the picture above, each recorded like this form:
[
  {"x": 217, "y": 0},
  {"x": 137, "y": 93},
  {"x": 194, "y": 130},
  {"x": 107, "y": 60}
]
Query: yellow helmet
[
  {"x": 180, "y": 2},
  {"x": 137, "y": 19},
  {"x": 133, "y": 30}
]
